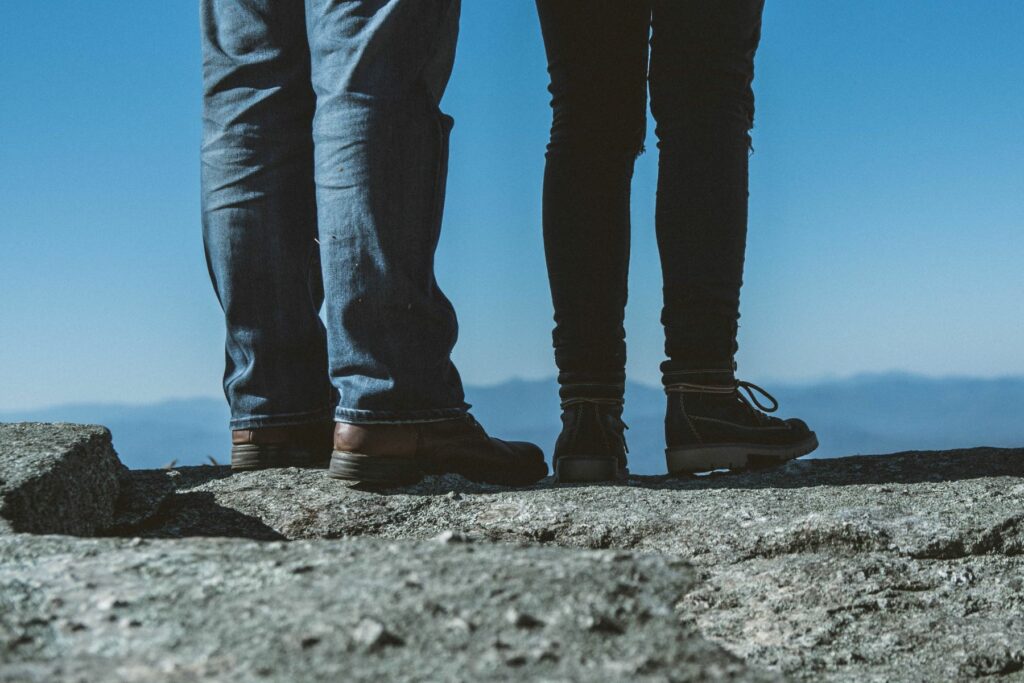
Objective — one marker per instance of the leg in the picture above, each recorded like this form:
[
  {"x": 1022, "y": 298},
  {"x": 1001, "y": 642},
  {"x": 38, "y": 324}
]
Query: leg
[
  {"x": 379, "y": 68},
  {"x": 259, "y": 215},
  {"x": 702, "y": 66},
  {"x": 597, "y": 60}
]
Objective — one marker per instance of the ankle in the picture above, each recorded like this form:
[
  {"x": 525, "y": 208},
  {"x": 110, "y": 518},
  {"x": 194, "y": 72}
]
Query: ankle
[
  {"x": 592, "y": 426},
  {"x": 710, "y": 375},
  {"x": 597, "y": 391}
]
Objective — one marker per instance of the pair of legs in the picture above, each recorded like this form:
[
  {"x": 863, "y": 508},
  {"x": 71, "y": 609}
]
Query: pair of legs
[
  {"x": 324, "y": 160},
  {"x": 696, "y": 58}
]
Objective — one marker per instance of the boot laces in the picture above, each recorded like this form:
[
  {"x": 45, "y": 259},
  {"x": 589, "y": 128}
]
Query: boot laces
[
  {"x": 750, "y": 400},
  {"x": 617, "y": 425}
]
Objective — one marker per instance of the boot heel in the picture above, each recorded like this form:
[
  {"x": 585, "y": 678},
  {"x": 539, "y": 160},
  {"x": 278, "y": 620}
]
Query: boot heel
[
  {"x": 255, "y": 456},
  {"x": 572, "y": 470},
  {"x": 374, "y": 470},
  {"x": 690, "y": 460},
  {"x": 259, "y": 456},
  {"x": 735, "y": 456}
]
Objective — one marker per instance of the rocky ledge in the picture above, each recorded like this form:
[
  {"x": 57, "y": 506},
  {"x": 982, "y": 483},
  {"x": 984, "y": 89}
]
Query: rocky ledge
[{"x": 901, "y": 567}]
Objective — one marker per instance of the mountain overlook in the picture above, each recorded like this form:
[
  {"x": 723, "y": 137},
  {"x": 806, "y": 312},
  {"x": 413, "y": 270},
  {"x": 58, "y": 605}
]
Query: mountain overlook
[
  {"x": 904, "y": 567},
  {"x": 864, "y": 414}
]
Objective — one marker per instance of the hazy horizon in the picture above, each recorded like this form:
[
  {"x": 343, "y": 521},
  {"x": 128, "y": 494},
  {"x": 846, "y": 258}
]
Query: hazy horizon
[
  {"x": 769, "y": 383},
  {"x": 873, "y": 414}
]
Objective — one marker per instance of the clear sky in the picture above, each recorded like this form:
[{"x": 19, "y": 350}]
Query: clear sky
[{"x": 886, "y": 213}]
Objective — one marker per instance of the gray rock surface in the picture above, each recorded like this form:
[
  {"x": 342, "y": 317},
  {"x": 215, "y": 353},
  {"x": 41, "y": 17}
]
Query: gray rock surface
[
  {"x": 57, "y": 478},
  {"x": 142, "y": 495},
  {"x": 358, "y": 609},
  {"x": 902, "y": 567}
]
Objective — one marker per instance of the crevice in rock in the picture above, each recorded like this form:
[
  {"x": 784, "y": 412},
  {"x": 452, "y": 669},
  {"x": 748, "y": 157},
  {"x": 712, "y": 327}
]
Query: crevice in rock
[
  {"x": 811, "y": 537},
  {"x": 1004, "y": 538}
]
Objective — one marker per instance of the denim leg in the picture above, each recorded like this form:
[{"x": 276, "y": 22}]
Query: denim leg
[
  {"x": 597, "y": 61},
  {"x": 379, "y": 68},
  {"x": 258, "y": 210},
  {"x": 702, "y": 66}
]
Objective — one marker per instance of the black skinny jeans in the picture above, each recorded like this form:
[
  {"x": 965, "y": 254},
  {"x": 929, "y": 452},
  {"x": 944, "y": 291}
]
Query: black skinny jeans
[{"x": 700, "y": 73}]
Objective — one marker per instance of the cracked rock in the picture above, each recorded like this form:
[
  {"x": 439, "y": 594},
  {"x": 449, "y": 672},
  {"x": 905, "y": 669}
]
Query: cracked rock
[{"x": 57, "y": 478}]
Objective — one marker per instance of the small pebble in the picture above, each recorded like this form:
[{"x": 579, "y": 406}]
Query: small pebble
[
  {"x": 452, "y": 537},
  {"x": 372, "y": 634},
  {"x": 522, "y": 619}
]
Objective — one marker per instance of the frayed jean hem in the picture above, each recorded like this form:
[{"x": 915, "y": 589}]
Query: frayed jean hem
[
  {"x": 354, "y": 416},
  {"x": 286, "y": 420}
]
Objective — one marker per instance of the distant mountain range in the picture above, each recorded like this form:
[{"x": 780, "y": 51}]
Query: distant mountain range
[{"x": 861, "y": 415}]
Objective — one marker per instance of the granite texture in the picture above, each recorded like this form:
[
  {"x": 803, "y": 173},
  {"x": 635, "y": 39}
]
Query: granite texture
[
  {"x": 348, "y": 610},
  {"x": 57, "y": 478},
  {"x": 899, "y": 567},
  {"x": 903, "y": 567}
]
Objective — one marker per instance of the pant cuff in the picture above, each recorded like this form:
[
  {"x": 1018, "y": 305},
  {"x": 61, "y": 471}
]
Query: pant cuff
[
  {"x": 285, "y": 420},
  {"x": 354, "y": 416},
  {"x": 605, "y": 390}
]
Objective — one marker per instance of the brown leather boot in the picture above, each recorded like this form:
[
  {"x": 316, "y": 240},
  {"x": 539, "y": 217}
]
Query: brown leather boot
[
  {"x": 401, "y": 454},
  {"x": 307, "y": 445}
]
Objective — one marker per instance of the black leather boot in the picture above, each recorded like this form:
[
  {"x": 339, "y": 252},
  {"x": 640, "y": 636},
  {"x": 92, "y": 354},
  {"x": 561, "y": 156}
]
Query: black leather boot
[
  {"x": 592, "y": 445},
  {"x": 710, "y": 424}
]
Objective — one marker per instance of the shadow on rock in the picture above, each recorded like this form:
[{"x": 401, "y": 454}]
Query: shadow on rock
[
  {"x": 197, "y": 513},
  {"x": 912, "y": 467}
]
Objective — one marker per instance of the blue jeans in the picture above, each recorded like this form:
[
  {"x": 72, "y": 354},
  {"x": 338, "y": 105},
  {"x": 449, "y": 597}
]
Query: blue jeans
[
  {"x": 696, "y": 57},
  {"x": 324, "y": 159}
]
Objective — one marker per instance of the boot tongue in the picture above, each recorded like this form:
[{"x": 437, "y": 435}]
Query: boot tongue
[{"x": 723, "y": 406}]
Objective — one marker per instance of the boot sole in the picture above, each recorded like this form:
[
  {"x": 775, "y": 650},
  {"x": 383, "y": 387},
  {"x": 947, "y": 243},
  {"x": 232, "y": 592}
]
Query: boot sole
[
  {"x": 375, "y": 470},
  {"x": 382, "y": 471},
  {"x": 582, "y": 470},
  {"x": 734, "y": 456},
  {"x": 252, "y": 456}
]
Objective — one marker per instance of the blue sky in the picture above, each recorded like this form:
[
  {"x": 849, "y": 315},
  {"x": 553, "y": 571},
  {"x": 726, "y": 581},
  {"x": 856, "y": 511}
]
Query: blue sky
[{"x": 886, "y": 213}]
